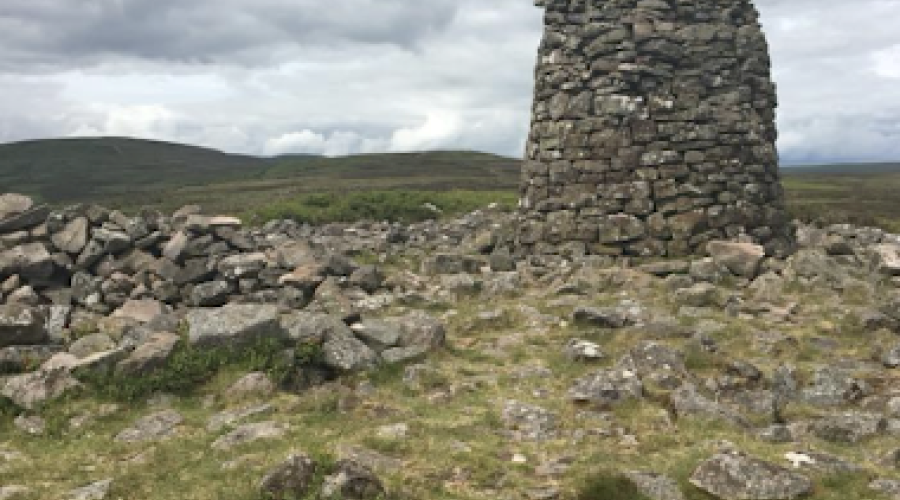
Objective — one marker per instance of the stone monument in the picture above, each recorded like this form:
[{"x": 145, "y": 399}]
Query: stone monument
[{"x": 653, "y": 131}]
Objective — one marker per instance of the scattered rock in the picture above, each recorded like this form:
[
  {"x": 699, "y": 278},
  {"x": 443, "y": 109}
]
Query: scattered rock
[
  {"x": 742, "y": 259},
  {"x": 249, "y": 433},
  {"x": 607, "y": 388},
  {"x": 93, "y": 491},
  {"x": 352, "y": 481},
  {"x": 740, "y": 477},
  {"x": 529, "y": 422},
  {"x": 21, "y": 325},
  {"x": 583, "y": 350},
  {"x": 655, "y": 486},
  {"x": 292, "y": 478},
  {"x": 155, "y": 427},
  {"x": 849, "y": 427},
  {"x": 150, "y": 356},
  {"x": 234, "y": 325},
  {"x": 31, "y": 390}
]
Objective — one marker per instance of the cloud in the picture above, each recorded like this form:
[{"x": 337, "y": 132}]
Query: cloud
[{"x": 292, "y": 76}]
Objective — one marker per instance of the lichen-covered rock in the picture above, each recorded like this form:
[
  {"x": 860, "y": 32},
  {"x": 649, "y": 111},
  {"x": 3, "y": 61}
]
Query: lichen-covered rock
[
  {"x": 154, "y": 427},
  {"x": 21, "y": 325},
  {"x": 352, "y": 481},
  {"x": 735, "y": 476},
  {"x": 849, "y": 427},
  {"x": 529, "y": 422},
  {"x": 249, "y": 433},
  {"x": 606, "y": 388},
  {"x": 344, "y": 352},
  {"x": 234, "y": 325},
  {"x": 742, "y": 259},
  {"x": 31, "y": 390},
  {"x": 290, "y": 479},
  {"x": 150, "y": 355},
  {"x": 656, "y": 486}
]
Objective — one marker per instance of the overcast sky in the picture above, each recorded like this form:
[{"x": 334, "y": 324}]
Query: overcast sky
[{"x": 348, "y": 76}]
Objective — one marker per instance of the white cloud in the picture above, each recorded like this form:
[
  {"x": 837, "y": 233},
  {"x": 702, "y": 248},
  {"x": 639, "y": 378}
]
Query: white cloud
[
  {"x": 887, "y": 62},
  {"x": 440, "y": 129}
]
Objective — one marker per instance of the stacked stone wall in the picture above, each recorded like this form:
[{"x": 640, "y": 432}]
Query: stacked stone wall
[{"x": 653, "y": 130}]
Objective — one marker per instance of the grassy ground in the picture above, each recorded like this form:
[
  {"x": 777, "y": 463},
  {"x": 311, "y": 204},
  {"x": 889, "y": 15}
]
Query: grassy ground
[{"x": 457, "y": 447}]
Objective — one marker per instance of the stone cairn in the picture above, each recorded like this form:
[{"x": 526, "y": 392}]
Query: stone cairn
[{"x": 653, "y": 131}]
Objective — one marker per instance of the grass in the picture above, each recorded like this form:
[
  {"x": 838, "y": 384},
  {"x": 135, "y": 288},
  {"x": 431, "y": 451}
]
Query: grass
[
  {"x": 456, "y": 448},
  {"x": 392, "y": 206}
]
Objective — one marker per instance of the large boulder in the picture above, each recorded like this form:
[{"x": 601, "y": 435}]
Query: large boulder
[
  {"x": 14, "y": 204},
  {"x": 32, "y": 261},
  {"x": 33, "y": 389},
  {"x": 606, "y": 388},
  {"x": 742, "y": 259},
  {"x": 73, "y": 237},
  {"x": 344, "y": 352},
  {"x": 292, "y": 478},
  {"x": 154, "y": 427},
  {"x": 20, "y": 325},
  {"x": 735, "y": 476},
  {"x": 149, "y": 356},
  {"x": 886, "y": 259},
  {"x": 234, "y": 325},
  {"x": 141, "y": 311},
  {"x": 17, "y": 212},
  {"x": 352, "y": 481}
]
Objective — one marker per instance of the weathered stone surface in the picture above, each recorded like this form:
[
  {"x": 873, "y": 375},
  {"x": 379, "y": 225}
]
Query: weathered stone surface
[
  {"x": 31, "y": 261},
  {"x": 21, "y": 325},
  {"x": 94, "y": 491},
  {"x": 378, "y": 334},
  {"x": 343, "y": 351},
  {"x": 735, "y": 476},
  {"x": 607, "y": 388},
  {"x": 603, "y": 317},
  {"x": 656, "y": 486},
  {"x": 14, "y": 204},
  {"x": 158, "y": 426},
  {"x": 249, "y": 433},
  {"x": 73, "y": 237},
  {"x": 529, "y": 422},
  {"x": 886, "y": 259},
  {"x": 30, "y": 390},
  {"x": 849, "y": 427},
  {"x": 631, "y": 152},
  {"x": 234, "y": 325},
  {"x": 149, "y": 356},
  {"x": 742, "y": 259},
  {"x": 292, "y": 478},
  {"x": 352, "y": 481},
  {"x": 141, "y": 311}
]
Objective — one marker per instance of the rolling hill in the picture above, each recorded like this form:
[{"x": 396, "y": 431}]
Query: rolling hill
[{"x": 130, "y": 172}]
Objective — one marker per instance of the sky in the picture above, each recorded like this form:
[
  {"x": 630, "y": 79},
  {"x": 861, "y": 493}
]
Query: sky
[{"x": 269, "y": 77}]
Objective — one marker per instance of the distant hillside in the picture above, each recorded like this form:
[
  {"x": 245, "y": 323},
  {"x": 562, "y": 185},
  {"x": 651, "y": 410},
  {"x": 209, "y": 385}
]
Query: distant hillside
[
  {"x": 844, "y": 169},
  {"x": 59, "y": 170},
  {"x": 131, "y": 172}
]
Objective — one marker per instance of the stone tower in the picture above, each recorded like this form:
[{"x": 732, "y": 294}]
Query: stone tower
[{"x": 653, "y": 130}]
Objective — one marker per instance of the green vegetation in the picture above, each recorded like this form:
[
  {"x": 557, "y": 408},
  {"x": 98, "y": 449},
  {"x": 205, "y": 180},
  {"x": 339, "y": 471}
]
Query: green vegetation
[
  {"x": 865, "y": 196},
  {"x": 130, "y": 174},
  {"x": 189, "y": 368},
  {"x": 394, "y": 206},
  {"x": 608, "y": 486}
]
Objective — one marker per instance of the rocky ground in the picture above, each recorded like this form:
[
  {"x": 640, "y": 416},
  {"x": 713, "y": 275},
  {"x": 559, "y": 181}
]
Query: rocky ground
[{"x": 159, "y": 357}]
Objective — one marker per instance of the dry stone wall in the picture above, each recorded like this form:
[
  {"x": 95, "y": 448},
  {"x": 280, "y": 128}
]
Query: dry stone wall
[{"x": 653, "y": 130}]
